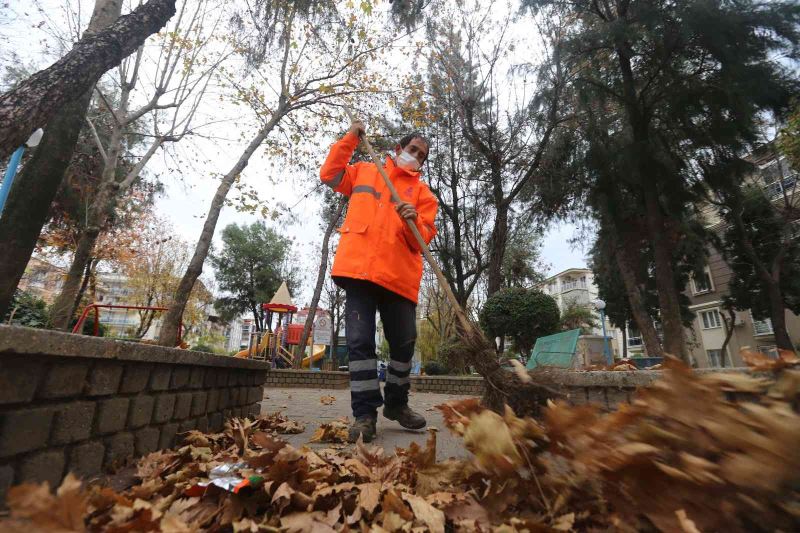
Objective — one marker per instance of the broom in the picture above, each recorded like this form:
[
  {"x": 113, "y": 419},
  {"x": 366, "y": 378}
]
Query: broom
[{"x": 504, "y": 387}]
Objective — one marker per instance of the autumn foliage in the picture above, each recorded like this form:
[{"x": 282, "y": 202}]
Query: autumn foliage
[{"x": 682, "y": 457}]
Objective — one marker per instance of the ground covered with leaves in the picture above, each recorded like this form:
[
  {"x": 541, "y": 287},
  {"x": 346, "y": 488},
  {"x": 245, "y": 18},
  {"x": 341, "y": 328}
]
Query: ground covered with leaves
[{"x": 691, "y": 453}]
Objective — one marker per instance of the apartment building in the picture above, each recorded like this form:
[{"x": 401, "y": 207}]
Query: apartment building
[
  {"x": 576, "y": 286},
  {"x": 709, "y": 329},
  {"x": 44, "y": 280}
]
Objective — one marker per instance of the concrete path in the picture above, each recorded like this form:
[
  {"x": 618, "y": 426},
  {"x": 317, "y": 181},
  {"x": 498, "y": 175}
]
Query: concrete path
[{"x": 303, "y": 405}]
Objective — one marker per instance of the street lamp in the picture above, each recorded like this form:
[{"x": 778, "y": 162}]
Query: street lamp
[
  {"x": 600, "y": 305},
  {"x": 13, "y": 163}
]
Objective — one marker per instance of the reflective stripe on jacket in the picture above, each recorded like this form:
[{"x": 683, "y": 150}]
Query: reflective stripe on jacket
[{"x": 376, "y": 244}]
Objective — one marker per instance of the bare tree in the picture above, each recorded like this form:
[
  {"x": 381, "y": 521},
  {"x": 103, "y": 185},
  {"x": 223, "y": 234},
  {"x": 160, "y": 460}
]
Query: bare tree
[
  {"x": 334, "y": 216},
  {"x": 35, "y": 101},
  {"x": 309, "y": 74},
  {"x": 511, "y": 141},
  {"x": 176, "y": 77},
  {"x": 28, "y": 204}
]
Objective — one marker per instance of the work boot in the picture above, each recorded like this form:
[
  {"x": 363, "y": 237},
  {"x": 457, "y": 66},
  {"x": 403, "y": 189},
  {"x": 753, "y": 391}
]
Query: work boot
[
  {"x": 364, "y": 426},
  {"x": 405, "y": 417}
]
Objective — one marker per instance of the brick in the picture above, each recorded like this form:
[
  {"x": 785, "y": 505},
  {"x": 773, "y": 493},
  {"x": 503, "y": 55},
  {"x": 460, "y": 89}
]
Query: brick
[
  {"x": 183, "y": 406},
  {"x": 164, "y": 406},
  {"x": 258, "y": 377},
  {"x": 233, "y": 378},
  {"x": 243, "y": 377},
  {"x": 227, "y": 413},
  {"x": 135, "y": 378},
  {"x": 187, "y": 425},
  {"x": 104, "y": 379},
  {"x": 597, "y": 396},
  {"x": 256, "y": 395},
  {"x": 180, "y": 377},
  {"x": 18, "y": 379},
  {"x": 255, "y": 409},
  {"x": 86, "y": 459},
  {"x": 215, "y": 422},
  {"x": 6, "y": 480},
  {"x": 222, "y": 378},
  {"x": 141, "y": 411},
  {"x": 160, "y": 377},
  {"x": 43, "y": 466},
  {"x": 64, "y": 380},
  {"x": 111, "y": 415},
  {"x": 146, "y": 440},
  {"x": 196, "y": 377},
  {"x": 234, "y": 397},
  {"x": 23, "y": 430},
  {"x": 224, "y": 398},
  {"x": 244, "y": 395},
  {"x": 213, "y": 400},
  {"x": 72, "y": 422},
  {"x": 199, "y": 400},
  {"x": 167, "y": 438},
  {"x": 210, "y": 379},
  {"x": 237, "y": 412},
  {"x": 119, "y": 447},
  {"x": 202, "y": 424}
]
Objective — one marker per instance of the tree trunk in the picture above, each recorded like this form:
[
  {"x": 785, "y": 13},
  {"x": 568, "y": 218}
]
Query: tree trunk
[
  {"x": 172, "y": 318},
  {"x": 497, "y": 250},
  {"x": 38, "y": 99},
  {"x": 729, "y": 325},
  {"x": 35, "y": 188},
  {"x": 87, "y": 273},
  {"x": 640, "y": 315},
  {"x": 323, "y": 269},
  {"x": 625, "y": 340},
  {"x": 777, "y": 313},
  {"x": 668, "y": 299},
  {"x": 61, "y": 313}
]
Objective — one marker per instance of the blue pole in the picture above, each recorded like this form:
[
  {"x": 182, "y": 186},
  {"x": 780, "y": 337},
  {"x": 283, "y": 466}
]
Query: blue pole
[
  {"x": 606, "y": 350},
  {"x": 8, "y": 179}
]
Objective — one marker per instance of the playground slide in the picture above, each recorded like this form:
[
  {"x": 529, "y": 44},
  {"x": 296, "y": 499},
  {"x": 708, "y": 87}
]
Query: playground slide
[
  {"x": 318, "y": 353},
  {"x": 263, "y": 346}
]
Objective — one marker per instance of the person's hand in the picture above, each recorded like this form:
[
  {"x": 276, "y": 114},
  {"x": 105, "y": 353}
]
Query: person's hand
[
  {"x": 406, "y": 211},
  {"x": 357, "y": 127}
]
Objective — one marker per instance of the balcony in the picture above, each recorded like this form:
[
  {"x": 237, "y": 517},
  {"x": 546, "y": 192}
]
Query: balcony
[
  {"x": 572, "y": 285},
  {"x": 776, "y": 188},
  {"x": 762, "y": 327}
]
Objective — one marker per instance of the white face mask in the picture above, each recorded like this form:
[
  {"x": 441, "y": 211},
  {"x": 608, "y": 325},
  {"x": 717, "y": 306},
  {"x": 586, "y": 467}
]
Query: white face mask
[{"x": 408, "y": 161}]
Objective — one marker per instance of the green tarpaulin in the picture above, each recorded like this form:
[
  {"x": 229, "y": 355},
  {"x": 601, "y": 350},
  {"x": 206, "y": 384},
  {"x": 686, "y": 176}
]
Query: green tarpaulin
[{"x": 555, "y": 350}]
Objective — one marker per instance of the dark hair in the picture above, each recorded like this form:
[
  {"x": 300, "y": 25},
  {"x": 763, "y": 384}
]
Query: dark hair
[{"x": 416, "y": 135}]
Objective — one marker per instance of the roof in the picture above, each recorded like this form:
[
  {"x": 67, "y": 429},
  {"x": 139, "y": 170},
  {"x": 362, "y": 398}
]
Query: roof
[
  {"x": 281, "y": 301},
  {"x": 577, "y": 270}
]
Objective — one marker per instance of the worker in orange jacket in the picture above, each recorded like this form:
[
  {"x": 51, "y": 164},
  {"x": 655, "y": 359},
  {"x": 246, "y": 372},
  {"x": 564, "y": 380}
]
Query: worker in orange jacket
[{"x": 379, "y": 265}]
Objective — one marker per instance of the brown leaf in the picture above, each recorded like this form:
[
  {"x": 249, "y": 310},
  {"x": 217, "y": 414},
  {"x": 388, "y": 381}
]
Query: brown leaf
[
  {"x": 369, "y": 495},
  {"x": 425, "y": 512},
  {"x": 327, "y": 400}
]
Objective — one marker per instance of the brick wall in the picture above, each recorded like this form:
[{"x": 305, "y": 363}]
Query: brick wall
[
  {"x": 307, "y": 379},
  {"x": 83, "y": 404},
  {"x": 466, "y": 385}
]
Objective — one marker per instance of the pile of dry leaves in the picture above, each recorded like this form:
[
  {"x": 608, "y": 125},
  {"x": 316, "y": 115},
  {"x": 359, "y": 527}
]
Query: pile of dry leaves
[{"x": 683, "y": 457}]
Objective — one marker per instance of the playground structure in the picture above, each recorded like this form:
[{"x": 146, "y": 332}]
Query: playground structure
[
  {"x": 97, "y": 306},
  {"x": 279, "y": 343}
]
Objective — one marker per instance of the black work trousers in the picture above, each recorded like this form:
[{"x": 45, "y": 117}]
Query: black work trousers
[{"x": 398, "y": 314}]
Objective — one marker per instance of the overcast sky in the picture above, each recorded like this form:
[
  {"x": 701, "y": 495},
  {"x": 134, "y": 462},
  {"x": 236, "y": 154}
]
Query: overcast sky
[{"x": 26, "y": 29}]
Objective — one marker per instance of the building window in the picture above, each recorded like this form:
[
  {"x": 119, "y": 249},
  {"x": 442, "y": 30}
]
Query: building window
[
  {"x": 703, "y": 283},
  {"x": 634, "y": 338},
  {"x": 778, "y": 180},
  {"x": 716, "y": 358},
  {"x": 762, "y": 327},
  {"x": 711, "y": 319}
]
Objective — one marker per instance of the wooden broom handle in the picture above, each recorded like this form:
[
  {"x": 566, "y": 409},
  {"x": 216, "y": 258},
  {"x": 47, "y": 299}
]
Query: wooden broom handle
[{"x": 462, "y": 316}]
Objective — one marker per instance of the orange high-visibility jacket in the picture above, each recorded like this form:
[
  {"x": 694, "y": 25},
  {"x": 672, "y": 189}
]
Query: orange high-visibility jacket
[{"x": 376, "y": 244}]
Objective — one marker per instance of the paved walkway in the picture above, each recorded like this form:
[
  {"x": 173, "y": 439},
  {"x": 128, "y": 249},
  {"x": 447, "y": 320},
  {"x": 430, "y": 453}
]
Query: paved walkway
[{"x": 303, "y": 405}]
